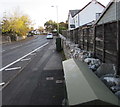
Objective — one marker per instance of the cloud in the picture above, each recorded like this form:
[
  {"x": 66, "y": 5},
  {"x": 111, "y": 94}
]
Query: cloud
[{"x": 40, "y": 10}]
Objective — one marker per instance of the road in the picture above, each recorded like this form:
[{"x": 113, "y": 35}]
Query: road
[
  {"x": 32, "y": 73},
  {"x": 16, "y": 50}
]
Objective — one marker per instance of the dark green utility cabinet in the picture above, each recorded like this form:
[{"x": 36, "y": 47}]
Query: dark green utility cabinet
[{"x": 58, "y": 44}]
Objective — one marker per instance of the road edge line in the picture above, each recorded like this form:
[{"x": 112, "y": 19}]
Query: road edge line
[{"x": 23, "y": 57}]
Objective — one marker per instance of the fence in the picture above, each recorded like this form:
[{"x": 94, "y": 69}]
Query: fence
[
  {"x": 102, "y": 39},
  {"x": 84, "y": 36}
]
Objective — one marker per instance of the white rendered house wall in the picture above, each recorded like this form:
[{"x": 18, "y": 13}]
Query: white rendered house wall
[{"x": 89, "y": 13}]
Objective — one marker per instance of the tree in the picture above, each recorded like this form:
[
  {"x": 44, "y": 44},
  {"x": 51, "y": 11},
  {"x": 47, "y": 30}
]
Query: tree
[
  {"x": 50, "y": 25},
  {"x": 62, "y": 26},
  {"x": 16, "y": 25},
  {"x": 31, "y": 28},
  {"x": 5, "y": 25},
  {"x": 41, "y": 29}
]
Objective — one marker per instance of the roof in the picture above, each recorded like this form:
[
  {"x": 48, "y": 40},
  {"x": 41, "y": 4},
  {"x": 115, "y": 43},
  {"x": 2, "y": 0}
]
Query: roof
[
  {"x": 73, "y": 12},
  {"x": 105, "y": 10},
  {"x": 88, "y": 4}
]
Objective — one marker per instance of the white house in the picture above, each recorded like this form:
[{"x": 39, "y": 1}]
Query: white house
[
  {"x": 86, "y": 15},
  {"x": 76, "y": 20},
  {"x": 71, "y": 22},
  {"x": 111, "y": 13}
]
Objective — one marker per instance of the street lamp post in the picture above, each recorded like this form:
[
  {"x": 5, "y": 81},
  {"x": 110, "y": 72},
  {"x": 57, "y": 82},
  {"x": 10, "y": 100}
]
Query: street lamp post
[{"x": 57, "y": 19}]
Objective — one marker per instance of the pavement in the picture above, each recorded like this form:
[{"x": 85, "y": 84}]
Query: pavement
[
  {"x": 51, "y": 88},
  {"x": 41, "y": 82}
]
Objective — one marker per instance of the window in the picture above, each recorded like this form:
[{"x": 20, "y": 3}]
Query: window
[
  {"x": 97, "y": 15},
  {"x": 72, "y": 26}
]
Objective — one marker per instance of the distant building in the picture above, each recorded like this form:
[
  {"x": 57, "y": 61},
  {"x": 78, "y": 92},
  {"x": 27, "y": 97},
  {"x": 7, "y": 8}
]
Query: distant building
[
  {"x": 71, "y": 23},
  {"x": 87, "y": 15}
]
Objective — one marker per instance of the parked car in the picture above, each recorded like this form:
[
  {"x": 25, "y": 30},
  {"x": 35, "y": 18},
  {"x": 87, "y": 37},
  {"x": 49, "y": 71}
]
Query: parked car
[
  {"x": 49, "y": 36},
  {"x": 30, "y": 34}
]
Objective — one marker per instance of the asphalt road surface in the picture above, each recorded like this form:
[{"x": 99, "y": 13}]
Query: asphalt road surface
[
  {"x": 13, "y": 51},
  {"x": 32, "y": 73}
]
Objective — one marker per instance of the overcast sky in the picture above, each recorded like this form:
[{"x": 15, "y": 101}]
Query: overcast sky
[{"x": 41, "y": 11}]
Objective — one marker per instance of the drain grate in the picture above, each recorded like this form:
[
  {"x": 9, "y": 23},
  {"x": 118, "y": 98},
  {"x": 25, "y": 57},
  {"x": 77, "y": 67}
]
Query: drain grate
[
  {"x": 49, "y": 78},
  {"x": 59, "y": 81}
]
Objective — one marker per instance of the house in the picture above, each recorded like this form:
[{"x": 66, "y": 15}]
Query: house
[
  {"x": 111, "y": 13},
  {"x": 86, "y": 15},
  {"x": 71, "y": 23}
]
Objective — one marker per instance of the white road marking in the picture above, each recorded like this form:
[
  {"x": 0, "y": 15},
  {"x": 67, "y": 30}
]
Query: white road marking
[
  {"x": 23, "y": 57},
  {"x": 3, "y": 50},
  {"x": 27, "y": 59},
  {"x": 33, "y": 54},
  {"x": 15, "y": 68},
  {"x": 49, "y": 78},
  {"x": 15, "y": 47},
  {"x": 2, "y": 83}
]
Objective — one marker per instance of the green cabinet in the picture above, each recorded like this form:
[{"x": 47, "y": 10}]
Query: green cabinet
[{"x": 58, "y": 44}]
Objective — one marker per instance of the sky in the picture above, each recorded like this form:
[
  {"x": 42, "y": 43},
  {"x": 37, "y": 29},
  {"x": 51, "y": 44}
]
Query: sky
[{"x": 41, "y": 11}]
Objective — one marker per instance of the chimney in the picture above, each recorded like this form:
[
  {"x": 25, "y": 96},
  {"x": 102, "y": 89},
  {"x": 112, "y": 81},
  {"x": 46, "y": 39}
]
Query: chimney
[{"x": 94, "y": 1}]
